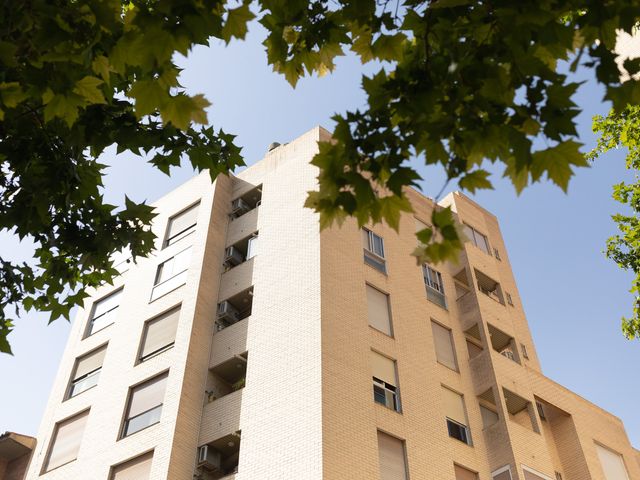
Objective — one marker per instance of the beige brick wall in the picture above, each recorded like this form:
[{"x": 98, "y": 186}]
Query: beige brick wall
[
  {"x": 100, "y": 447},
  {"x": 307, "y": 411}
]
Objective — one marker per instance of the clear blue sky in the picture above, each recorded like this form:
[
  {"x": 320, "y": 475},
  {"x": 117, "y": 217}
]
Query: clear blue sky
[{"x": 573, "y": 296}]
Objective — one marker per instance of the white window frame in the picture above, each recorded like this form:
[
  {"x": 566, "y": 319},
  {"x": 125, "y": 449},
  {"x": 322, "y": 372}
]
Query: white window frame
[
  {"x": 474, "y": 240},
  {"x": 185, "y": 232},
  {"x": 390, "y": 391},
  {"x": 506, "y": 468}
]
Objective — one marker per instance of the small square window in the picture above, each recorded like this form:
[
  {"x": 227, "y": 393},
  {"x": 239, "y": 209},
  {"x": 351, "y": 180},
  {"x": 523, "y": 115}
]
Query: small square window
[{"x": 373, "y": 246}]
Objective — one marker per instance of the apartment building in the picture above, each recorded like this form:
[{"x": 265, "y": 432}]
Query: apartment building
[{"x": 252, "y": 346}]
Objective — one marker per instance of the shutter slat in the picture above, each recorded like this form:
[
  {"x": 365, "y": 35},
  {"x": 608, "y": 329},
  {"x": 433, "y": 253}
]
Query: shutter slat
[
  {"x": 182, "y": 221},
  {"x": 90, "y": 362},
  {"x": 391, "y": 457},
  {"x": 147, "y": 396},
  {"x": 160, "y": 332},
  {"x": 137, "y": 469},
  {"x": 383, "y": 368},
  {"x": 444, "y": 346},
  {"x": 66, "y": 442},
  {"x": 454, "y": 406},
  {"x": 378, "y": 310}
]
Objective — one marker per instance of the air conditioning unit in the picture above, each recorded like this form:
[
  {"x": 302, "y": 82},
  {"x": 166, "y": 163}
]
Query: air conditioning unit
[
  {"x": 239, "y": 207},
  {"x": 227, "y": 313},
  {"x": 233, "y": 257},
  {"x": 208, "y": 458}
]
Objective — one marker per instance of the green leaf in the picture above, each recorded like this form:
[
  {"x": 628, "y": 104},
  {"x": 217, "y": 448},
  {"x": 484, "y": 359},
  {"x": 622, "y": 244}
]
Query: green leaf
[
  {"x": 149, "y": 96},
  {"x": 88, "y": 89},
  {"x": 182, "y": 109},
  {"x": 557, "y": 161},
  {"x": 100, "y": 65},
  {"x": 236, "y": 24},
  {"x": 478, "y": 179},
  {"x": 12, "y": 94}
]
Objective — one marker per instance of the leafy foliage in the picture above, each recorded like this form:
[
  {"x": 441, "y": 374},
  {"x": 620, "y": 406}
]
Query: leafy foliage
[
  {"x": 77, "y": 77},
  {"x": 461, "y": 82},
  {"x": 622, "y": 130}
]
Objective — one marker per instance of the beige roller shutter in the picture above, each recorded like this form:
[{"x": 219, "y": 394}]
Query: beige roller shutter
[
  {"x": 444, "y": 346},
  {"x": 66, "y": 441},
  {"x": 391, "y": 457},
  {"x": 183, "y": 221},
  {"x": 160, "y": 332},
  {"x": 612, "y": 464},
  {"x": 454, "y": 406},
  {"x": 90, "y": 362},
  {"x": 378, "y": 310},
  {"x": 464, "y": 474},
  {"x": 147, "y": 396},
  {"x": 136, "y": 469},
  {"x": 383, "y": 368}
]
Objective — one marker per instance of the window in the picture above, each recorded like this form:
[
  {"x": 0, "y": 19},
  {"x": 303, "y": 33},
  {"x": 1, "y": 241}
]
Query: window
[
  {"x": 473, "y": 348},
  {"x": 181, "y": 225},
  {"x": 464, "y": 474},
  {"x": 392, "y": 458},
  {"x": 252, "y": 246},
  {"x": 138, "y": 468},
  {"x": 509, "y": 299},
  {"x": 145, "y": 405},
  {"x": 489, "y": 286},
  {"x": 489, "y": 417},
  {"x": 434, "y": 285},
  {"x": 103, "y": 313},
  {"x": 558, "y": 476},
  {"x": 385, "y": 383},
  {"x": 525, "y": 354},
  {"x": 65, "y": 442},
  {"x": 456, "y": 416},
  {"x": 171, "y": 274},
  {"x": 159, "y": 334},
  {"x": 445, "y": 352},
  {"x": 540, "y": 409},
  {"x": 612, "y": 464},
  {"x": 503, "y": 473},
  {"x": 87, "y": 371},
  {"x": 496, "y": 253},
  {"x": 378, "y": 310},
  {"x": 373, "y": 250},
  {"x": 477, "y": 238}
]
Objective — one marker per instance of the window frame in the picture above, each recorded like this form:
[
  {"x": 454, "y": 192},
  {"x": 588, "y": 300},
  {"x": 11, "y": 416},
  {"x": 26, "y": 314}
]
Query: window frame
[
  {"x": 54, "y": 437},
  {"x": 145, "y": 330},
  {"x": 474, "y": 240},
  {"x": 451, "y": 343},
  {"x": 91, "y": 320},
  {"x": 126, "y": 419},
  {"x": 389, "y": 312},
  {"x": 167, "y": 240},
  {"x": 73, "y": 382},
  {"x": 157, "y": 283},
  {"x": 374, "y": 259},
  {"x": 390, "y": 392},
  {"x": 436, "y": 286}
]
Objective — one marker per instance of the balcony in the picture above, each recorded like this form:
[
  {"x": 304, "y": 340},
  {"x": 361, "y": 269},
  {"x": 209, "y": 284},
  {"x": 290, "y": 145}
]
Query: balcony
[
  {"x": 229, "y": 343},
  {"x": 236, "y": 280},
  {"x": 221, "y": 418},
  {"x": 243, "y": 226}
]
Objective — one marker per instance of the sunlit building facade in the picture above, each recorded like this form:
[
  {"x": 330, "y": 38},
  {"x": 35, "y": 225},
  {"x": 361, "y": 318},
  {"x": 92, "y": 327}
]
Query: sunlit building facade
[{"x": 252, "y": 346}]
